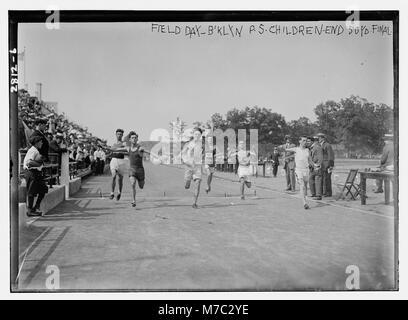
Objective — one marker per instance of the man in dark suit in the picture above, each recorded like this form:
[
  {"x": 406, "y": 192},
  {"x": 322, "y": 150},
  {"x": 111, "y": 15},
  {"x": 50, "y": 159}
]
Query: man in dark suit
[
  {"x": 327, "y": 165},
  {"x": 275, "y": 161},
  {"x": 316, "y": 160},
  {"x": 387, "y": 160},
  {"x": 289, "y": 164},
  {"x": 40, "y": 127},
  {"x": 56, "y": 145}
]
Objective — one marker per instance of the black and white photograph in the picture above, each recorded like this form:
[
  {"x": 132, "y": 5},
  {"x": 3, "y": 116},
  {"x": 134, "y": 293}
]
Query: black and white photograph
[{"x": 200, "y": 151}]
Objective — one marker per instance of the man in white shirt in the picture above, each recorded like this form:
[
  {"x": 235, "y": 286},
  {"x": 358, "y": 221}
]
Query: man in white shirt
[
  {"x": 302, "y": 162},
  {"x": 33, "y": 164},
  {"x": 99, "y": 157}
]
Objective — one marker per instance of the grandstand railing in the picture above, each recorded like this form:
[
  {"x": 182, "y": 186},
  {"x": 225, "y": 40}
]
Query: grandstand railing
[
  {"x": 78, "y": 169},
  {"x": 51, "y": 171}
]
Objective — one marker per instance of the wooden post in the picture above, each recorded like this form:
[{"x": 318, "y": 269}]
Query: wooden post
[
  {"x": 65, "y": 173},
  {"x": 387, "y": 191},
  {"x": 363, "y": 187}
]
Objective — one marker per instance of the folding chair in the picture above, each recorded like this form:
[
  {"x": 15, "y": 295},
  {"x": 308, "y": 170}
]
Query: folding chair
[{"x": 349, "y": 185}]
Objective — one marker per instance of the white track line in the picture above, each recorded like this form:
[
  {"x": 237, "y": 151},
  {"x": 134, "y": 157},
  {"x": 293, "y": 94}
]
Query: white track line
[{"x": 23, "y": 255}]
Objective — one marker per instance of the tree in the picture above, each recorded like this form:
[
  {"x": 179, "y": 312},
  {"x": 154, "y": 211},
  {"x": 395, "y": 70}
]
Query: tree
[
  {"x": 302, "y": 127},
  {"x": 362, "y": 125},
  {"x": 326, "y": 114},
  {"x": 217, "y": 122},
  {"x": 271, "y": 126}
]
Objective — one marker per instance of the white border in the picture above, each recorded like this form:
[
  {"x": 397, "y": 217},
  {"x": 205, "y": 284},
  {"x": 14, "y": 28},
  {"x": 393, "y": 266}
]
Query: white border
[{"x": 202, "y": 5}]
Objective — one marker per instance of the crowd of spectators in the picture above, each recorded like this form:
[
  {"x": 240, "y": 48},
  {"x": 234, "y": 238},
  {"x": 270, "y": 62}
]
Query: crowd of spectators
[{"x": 63, "y": 135}]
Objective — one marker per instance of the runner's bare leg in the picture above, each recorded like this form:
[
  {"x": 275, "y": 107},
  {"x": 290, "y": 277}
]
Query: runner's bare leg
[{"x": 197, "y": 183}]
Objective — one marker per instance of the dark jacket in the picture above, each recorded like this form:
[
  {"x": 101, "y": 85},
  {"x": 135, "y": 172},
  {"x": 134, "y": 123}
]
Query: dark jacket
[
  {"x": 328, "y": 154},
  {"x": 44, "y": 149},
  {"x": 316, "y": 155},
  {"x": 55, "y": 148},
  {"x": 275, "y": 159},
  {"x": 289, "y": 156},
  {"x": 387, "y": 158}
]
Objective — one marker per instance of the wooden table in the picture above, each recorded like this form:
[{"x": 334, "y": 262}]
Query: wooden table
[{"x": 386, "y": 176}]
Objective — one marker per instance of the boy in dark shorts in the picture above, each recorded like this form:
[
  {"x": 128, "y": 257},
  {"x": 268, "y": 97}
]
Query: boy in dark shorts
[{"x": 136, "y": 169}]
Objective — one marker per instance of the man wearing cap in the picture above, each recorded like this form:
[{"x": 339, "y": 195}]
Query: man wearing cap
[
  {"x": 56, "y": 146},
  {"x": 32, "y": 165},
  {"x": 387, "y": 160},
  {"x": 315, "y": 176},
  {"x": 289, "y": 165},
  {"x": 327, "y": 164},
  {"x": 40, "y": 126}
]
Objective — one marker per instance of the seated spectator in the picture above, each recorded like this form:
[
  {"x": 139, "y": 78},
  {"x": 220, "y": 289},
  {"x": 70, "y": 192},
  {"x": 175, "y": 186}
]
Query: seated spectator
[{"x": 80, "y": 159}]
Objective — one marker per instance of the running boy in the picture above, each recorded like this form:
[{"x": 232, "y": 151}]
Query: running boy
[
  {"x": 118, "y": 164},
  {"x": 244, "y": 167},
  {"x": 210, "y": 159},
  {"x": 136, "y": 169},
  {"x": 192, "y": 158}
]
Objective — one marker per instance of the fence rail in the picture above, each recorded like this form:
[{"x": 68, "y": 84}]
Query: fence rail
[{"x": 52, "y": 170}]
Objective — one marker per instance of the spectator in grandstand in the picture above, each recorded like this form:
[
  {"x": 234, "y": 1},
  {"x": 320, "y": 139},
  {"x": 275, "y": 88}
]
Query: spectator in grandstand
[
  {"x": 41, "y": 125},
  {"x": 80, "y": 159},
  {"x": 57, "y": 145},
  {"x": 71, "y": 150},
  {"x": 50, "y": 137},
  {"x": 71, "y": 139},
  {"x": 100, "y": 158}
]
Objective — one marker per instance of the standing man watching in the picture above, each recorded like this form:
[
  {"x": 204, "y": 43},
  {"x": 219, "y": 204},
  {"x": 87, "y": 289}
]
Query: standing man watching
[
  {"x": 315, "y": 176},
  {"x": 275, "y": 161},
  {"x": 289, "y": 165},
  {"x": 387, "y": 160},
  {"x": 327, "y": 164}
]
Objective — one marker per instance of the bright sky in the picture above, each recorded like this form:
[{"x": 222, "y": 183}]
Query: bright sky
[{"x": 124, "y": 75}]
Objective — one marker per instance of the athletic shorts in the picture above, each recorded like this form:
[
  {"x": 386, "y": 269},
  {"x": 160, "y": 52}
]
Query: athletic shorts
[
  {"x": 138, "y": 173},
  {"x": 244, "y": 172},
  {"x": 302, "y": 175},
  {"x": 209, "y": 169},
  {"x": 194, "y": 173},
  {"x": 119, "y": 166}
]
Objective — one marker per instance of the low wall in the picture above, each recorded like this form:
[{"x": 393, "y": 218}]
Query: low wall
[
  {"x": 74, "y": 186},
  {"x": 53, "y": 198}
]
